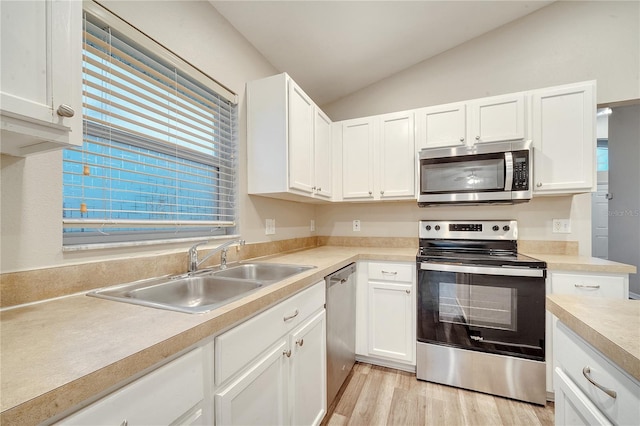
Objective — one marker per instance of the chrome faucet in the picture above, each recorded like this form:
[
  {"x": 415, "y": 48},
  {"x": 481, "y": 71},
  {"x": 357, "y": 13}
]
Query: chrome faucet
[{"x": 193, "y": 254}]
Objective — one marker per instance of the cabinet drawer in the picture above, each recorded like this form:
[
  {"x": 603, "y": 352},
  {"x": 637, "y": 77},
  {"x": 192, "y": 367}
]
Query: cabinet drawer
[
  {"x": 238, "y": 346},
  {"x": 399, "y": 272},
  {"x": 572, "y": 356},
  {"x": 160, "y": 397},
  {"x": 610, "y": 286}
]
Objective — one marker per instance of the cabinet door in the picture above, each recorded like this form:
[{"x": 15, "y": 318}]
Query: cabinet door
[
  {"x": 391, "y": 321},
  {"x": 308, "y": 372},
  {"x": 396, "y": 156},
  {"x": 259, "y": 395},
  {"x": 357, "y": 159},
  {"x": 495, "y": 119},
  {"x": 572, "y": 407},
  {"x": 301, "y": 117},
  {"x": 40, "y": 70},
  {"x": 442, "y": 125},
  {"x": 166, "y": 395},
  {"x": 563, "y": 121},
  {"x": 323, "y": 155}
]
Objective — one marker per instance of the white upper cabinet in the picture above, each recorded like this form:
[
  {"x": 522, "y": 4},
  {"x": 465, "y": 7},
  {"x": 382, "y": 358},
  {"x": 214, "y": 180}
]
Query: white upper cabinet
[
  {"x": 378, "y": 157},
  {"x": 396, "y": 156},
  {"x": 442, "y": 126},
  {"x": 564, "y": 139},
  {"x": 41, "y": 71},
  {"x": 494, "y": 119},
  {"x": 357, "y": 159},
  {"x": 289, "y": 142}
]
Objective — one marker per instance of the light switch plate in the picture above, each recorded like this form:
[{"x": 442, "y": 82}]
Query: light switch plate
[
  {"x": 269, "y": 226},
  {"x": 312, "y": 225}
]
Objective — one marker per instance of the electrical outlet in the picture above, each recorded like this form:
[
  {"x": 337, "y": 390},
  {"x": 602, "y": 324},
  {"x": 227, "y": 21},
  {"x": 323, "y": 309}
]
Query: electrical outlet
[
  {"x": 312, "y": 225},
  {"x": 561, "y": 226},
  {"x": 269, "y": 226},
  {"x": 356, "y": 226}
]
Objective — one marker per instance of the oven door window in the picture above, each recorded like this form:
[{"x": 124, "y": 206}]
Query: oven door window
[
  {"x": 476, "y": 173},
  {"x": 478, "y": 306},
  {"x": 489, "y": 313}
]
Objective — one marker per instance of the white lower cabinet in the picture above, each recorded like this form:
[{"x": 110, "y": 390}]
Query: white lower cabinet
[
  {"x": 271, "y": 369},
  {"x": 174, "y": 394},
  {"x": 385, "y": 313},
  {"x": 613, "y": 286},
  {"x": 590, "y": 389}
]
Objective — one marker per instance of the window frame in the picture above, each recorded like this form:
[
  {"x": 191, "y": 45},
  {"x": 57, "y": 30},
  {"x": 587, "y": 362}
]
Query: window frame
[{"x": 156, "y": 49}]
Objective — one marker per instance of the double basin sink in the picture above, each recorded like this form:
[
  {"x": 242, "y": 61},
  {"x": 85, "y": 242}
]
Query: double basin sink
[{"x": 200, "y": 291}]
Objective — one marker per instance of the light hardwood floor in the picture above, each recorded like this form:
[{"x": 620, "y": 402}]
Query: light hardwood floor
[{"x": 375, "y": 395}]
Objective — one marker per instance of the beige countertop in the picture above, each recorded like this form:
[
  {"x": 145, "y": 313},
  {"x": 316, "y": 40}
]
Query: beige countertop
[
  {"x": 565, "y": 262},
  {"x": 610, "y": 325},
  {"x": 60, "y": 352}
]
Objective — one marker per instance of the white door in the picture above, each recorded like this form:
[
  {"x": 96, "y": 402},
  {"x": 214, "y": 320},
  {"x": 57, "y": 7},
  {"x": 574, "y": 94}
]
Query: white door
[
  {"x": 396, "y": 156},
  {"x": 600, "y": 222},
  {"x": 357, "y": 159},
  {"x": 564, "y": 139},
  {"x": 391, "y": 321},
  {"x": 323, "y": 155},
  {"x": 301, "y": 117},
  {"x": 259, "y": 396},
  {"x": 495, "y": 119},
  {"x": 308, "y": 372},
  {"x": 441, "y": 126}
]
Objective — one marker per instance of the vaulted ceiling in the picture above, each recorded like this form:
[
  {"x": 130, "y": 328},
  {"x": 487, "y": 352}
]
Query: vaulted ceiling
[{"x": 334, "y": 48}]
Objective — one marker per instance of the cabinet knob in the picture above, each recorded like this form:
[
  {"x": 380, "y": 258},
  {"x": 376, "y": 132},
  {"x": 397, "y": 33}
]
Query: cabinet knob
[
  {"x": 319, "y": 189},
  {"x": 313, "y": 188},
  {"x": 477, "y": 138},
  {"x": 408, "y": 291},
  {"x": 381, "y": 192},
  {"x": 370, "y": 193},
  {"x": 65, "y": 111},
  {"x": 461, "y": 139},
  {"x": 300, "y": 342},
  {"x": 539, "y": 184},
  {"x": 287, "y": 353}
]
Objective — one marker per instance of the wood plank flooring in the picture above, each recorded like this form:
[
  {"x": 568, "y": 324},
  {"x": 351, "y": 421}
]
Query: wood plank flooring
[{"x": 375, "y": 395}]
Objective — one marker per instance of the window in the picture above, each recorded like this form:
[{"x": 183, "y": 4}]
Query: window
[
  {"x": 602, "y": 155},
  {"x": 158, "y": 157}
]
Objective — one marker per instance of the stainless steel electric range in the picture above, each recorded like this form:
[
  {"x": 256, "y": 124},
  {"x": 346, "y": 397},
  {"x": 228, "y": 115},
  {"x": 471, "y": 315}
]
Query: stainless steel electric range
[{"x": 480, "y": 310}]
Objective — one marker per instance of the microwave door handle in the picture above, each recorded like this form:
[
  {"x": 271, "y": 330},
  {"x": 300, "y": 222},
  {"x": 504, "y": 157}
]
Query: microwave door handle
[{"x": 508, "y": 175}]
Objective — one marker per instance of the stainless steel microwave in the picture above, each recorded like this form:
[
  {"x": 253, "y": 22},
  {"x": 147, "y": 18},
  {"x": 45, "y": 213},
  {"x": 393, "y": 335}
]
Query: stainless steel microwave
[{"x": 497, "y": 173}]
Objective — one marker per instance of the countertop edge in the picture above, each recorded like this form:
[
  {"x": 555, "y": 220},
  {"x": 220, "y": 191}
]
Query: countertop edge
[{"x": 618, "y": 355}]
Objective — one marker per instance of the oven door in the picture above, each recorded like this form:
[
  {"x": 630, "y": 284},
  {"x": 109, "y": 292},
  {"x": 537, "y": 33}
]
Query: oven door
[{"x": 490, "y": 309}]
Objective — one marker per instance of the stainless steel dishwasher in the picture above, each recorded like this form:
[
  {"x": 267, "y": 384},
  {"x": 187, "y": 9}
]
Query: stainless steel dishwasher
[{"x": 341, "y": 327}]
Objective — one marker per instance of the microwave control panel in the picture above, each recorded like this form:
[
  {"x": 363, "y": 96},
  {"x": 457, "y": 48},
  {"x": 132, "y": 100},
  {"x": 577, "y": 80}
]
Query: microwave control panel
[{"x": 520, "y": 171}]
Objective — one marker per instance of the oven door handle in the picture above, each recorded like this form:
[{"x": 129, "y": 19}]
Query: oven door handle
[{"x": 464, "y": 269}]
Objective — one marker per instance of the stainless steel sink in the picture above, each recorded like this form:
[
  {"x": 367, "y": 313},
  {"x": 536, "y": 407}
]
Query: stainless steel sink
[
  {"x": 201, "y": 291},
  {"x": 265, "y": 272}
]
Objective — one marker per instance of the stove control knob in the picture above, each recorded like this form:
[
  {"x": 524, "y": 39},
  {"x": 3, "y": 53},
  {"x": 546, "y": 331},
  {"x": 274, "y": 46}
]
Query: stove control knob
[
  {"x": 505, "y": 228},
  {"x": 496, "y": 228},
  {"x": 428, "y": 227},
  {"x": 437, "y": 227}
]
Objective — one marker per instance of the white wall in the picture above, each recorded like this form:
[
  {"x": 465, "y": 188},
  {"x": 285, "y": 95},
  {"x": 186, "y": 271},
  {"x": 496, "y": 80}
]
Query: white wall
[
  {"x": 561, "y": 43},
  {"x": 31, "y": 199}
]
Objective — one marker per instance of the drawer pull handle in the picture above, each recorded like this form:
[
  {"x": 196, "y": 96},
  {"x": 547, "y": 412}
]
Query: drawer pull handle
[
  {"x": 390, "y": 273},
  {"x": 593, "y": 287},
  {"x": 300, "y": 342},
  {"x": 295, "y": 314},
  {"x": 586, "y": 371},
  {"x": 287, "y": 353}
]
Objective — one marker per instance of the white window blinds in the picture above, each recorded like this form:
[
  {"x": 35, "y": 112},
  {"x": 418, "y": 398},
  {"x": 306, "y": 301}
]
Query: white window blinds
[{"x": 158, "y": 158}]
